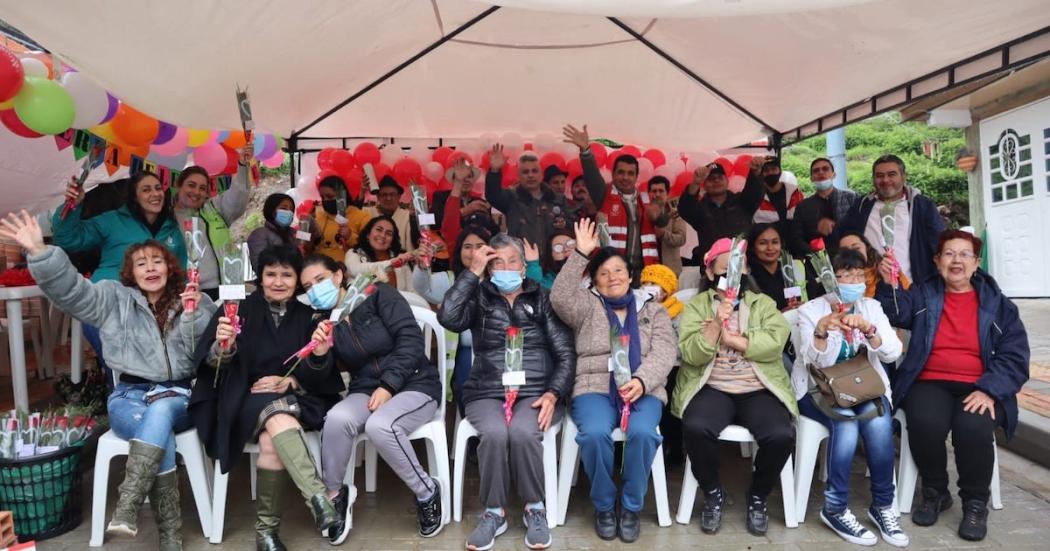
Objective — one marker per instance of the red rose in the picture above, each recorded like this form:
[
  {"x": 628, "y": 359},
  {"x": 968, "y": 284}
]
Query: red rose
[
  {"x": 817, "y": 244},
  {"x": 625, "y": 340},
  {"x": 370, "y": 289},
  {"x": 512, "y": 331}
]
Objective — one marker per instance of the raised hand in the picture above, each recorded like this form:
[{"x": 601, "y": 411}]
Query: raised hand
[
  {"x": 532, "y": 252},
  {"x": 24, "y": 230},
  {"x": 321, "y": 336},
  {"x": 757, "y": 162},
  {"x": 190, "y": 297},
  {"x": 74, "y": 192},
  {"x": 482, "y": 256},
  {"x": 461, "y": 170},
  {"x": 577, "y": 137},
  {"x": 496, "y": 158},
  {"x": 224, "y": 331},
  {"x": 247, "y": 153},
  {"x": 700, "y": 175},
  {"x": 586, "y": 236}
]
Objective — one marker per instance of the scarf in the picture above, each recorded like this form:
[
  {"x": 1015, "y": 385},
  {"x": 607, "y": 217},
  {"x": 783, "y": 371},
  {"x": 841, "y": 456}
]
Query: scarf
[
  {"x": 634, "y": 353},
  {"x": 673, "y": 305}
]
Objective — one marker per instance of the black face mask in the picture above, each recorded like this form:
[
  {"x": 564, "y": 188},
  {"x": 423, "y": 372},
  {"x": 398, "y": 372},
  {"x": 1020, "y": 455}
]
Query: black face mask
[
  {"x": 771, "y": 179},
  {"x": 329, "y": 206}
]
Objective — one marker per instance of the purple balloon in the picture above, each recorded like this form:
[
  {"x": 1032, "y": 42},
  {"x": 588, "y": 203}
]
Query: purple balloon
[
  {"x": 113, "y": 104},
  {"x": 268, "y": 149},
  {"x": 166, "y": 133}
]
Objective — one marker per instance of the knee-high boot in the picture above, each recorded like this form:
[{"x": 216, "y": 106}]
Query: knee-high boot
[
  {"x": 143, "y": 463},
  {"x": 269, "y": 487},
  {"x": 295, "y": 455},
  {"x": 164, "y": 500}
]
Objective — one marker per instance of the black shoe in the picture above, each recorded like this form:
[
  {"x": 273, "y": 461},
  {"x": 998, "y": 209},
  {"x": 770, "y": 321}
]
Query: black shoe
[
  {"x": 605, "y": 524},
  {"x": 339, "y": 531},
  {"x": 268, "y": 541},
  {"x": 324, "y": 513},
  {"x": 974, "y": 525},
  {"x": 933, "y": 502},
  {"x": 711, "y": 516},
  {"x": 429, "y": 514},
  {"x": 757, "y": 515},
  {"x": 630, "y": 528}
]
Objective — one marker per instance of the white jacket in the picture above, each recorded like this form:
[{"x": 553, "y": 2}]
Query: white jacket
[{"x": 810, "y": 314}]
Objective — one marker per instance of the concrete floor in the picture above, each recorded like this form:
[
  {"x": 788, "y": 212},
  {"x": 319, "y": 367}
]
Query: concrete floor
[{"x": 386, "y": 519}]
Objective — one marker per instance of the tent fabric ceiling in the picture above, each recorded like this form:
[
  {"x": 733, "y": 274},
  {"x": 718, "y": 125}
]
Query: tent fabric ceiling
[{"x": 527, "y": 67}]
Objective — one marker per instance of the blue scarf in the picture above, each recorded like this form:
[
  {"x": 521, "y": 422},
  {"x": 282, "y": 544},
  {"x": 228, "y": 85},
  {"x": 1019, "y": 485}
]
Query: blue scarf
[{"x": 634, "y": 353}]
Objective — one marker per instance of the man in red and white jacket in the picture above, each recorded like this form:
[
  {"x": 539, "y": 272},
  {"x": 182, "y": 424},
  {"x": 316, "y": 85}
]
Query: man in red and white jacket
[
  {"x": 630, "y": 230},
  {"x": 781, "y": 197}
]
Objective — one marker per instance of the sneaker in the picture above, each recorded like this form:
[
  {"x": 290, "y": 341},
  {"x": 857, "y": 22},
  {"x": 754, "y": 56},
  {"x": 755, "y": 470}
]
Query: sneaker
[
  {"x": 933, "y": 503},
  {"x": 848, "y": 528},
  {"x": 757, "y": 515},
  {"x": 489, "y": 526},
  {"x": 889, "y": 525},
  {"x": 338, "y": 533},
  {"x": 605, "y": 524},
  {"x": 537, "y": 532},
  {"x": 974, "y": 525},
  {"x": 711, "y": 516},
  {"x": 429, "y": 514}
]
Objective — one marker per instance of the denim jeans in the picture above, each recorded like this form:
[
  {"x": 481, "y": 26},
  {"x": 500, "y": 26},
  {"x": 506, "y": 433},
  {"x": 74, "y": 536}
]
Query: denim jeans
[
  {"x": 842, "y": 444},
  {"x": 596, "y": 418},
  {"x": 155, "y": 424}
]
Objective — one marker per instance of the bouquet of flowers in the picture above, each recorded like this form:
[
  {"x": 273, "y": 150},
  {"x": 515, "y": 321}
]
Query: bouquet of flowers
[
  {"x": 235, "y": 270},
  {"x": 514, "y": 373},
  {"x": 734, "y": 271}
]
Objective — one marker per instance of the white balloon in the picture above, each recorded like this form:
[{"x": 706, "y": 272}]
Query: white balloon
[
  {"x": 90, "y": 100},
  {"x": 487, "y": 140},
  {"x": 567, "y": 150},
  {"x": 543, "y": 142},
  {"x": 513, "y": 144},
  {"x": 668, "y": 171},
  {"x": 33, "y": 67},
  {"x": 391, "y": 154},
  {"x": 606, "y": 174},
  {"x": 736, "y": 183},
  {"x": 433, "y": 170},
  {"x": 421, "y": 154},
  {"x": 645, "y": 170}
]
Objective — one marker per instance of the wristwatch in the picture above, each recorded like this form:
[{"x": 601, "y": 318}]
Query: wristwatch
[{"x": 818, "y": 335}]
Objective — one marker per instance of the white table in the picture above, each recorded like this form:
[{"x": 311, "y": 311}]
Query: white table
[{"x": 16, "y": 339}]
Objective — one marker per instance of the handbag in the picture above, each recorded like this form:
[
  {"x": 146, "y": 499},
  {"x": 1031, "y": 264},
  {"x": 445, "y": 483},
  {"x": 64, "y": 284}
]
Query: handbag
[{"x": 847, "y": 384}]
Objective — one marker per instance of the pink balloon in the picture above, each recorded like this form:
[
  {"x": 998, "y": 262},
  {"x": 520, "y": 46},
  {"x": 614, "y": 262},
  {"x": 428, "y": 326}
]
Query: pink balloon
[
  {"x": 736, "y": 183},
  {"x": 211, "y": 156},
  {"x": 275, "y": 160},
  {"x": 175, "y": 146},
  {"x": 434, "y": 171}
]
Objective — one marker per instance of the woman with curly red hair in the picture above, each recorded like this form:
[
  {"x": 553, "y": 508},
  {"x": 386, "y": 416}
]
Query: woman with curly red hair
[{"x": 148, "y": 321}]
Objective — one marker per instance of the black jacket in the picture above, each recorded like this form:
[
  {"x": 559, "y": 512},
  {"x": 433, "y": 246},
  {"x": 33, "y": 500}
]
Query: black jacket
[
  {"x": 382, "y": 346},
  {"x": 528, "y": 217},
  {"x": 926, "y": 228},
  {"x": 549, "y": 354},
  {"x": 713, "y": 222}
]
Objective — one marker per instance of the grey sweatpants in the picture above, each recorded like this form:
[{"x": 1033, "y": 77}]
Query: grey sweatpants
[
  {"x": 387, "y": 428},
  {"x": 522, "y": 441}
]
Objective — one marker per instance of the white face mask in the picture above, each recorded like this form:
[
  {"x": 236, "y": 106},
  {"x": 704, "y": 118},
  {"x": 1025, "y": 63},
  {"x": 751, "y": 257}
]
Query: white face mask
[
  {"x": 654, "y": 290},
  {"x": 824, "y": 185}
]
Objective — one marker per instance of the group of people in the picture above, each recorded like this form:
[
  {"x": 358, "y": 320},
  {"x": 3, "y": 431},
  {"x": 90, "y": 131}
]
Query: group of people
[{"x": 562, "y": 309}]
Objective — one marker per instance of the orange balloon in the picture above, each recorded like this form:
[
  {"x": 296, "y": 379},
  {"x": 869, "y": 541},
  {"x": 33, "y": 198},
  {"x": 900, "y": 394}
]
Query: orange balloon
[
  {"x": 133, "y": 127},
  {"x": 124, "y": 154},
  {"x": 236, "y": 140}
]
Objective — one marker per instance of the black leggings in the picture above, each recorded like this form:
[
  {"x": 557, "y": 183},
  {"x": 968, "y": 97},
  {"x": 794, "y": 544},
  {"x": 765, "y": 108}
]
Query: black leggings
[
  {"x": 935, "y": 408},
  {"x": 760, "y": 412}
]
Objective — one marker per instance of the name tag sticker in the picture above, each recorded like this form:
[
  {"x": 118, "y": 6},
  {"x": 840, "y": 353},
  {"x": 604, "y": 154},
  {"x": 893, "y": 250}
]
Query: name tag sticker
[
  {"x": 303, "y": 235},
  {"x": 335, "y": 314},
  {"x": 792, "y": 292},
  {"x": 231, "y": 292},
  {"x": 427, "y": 219},
  {"x": 610, "y": 365},
  {"x": 514, "y": 378}
]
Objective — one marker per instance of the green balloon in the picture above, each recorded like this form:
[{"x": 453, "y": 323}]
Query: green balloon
[{"x": 44, "y": 106}]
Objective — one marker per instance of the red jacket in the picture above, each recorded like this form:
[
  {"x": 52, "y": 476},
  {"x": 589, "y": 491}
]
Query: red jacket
[{"x": 616, "y": 215}]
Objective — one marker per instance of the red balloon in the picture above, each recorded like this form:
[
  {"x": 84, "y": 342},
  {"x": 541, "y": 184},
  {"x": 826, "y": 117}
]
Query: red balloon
[
  {"x": 231, "y": 160},
  {"x": 367, "y": 152},
  {"x": 600, "y": 153},
  {"x": 573, "y": 166},
  {"x": 325, "y": 173},
  {"x": 381, "y": 171},
  {"x": 407, "y": 170},
  {"x": 15, "y": 124},
  {"x": 726, "y": 165},
  {"x": 12, "y": 75},
  {"x": 342, "y": 161},
  {"x": 354, "y": 178},
  {"x": 510, "y": 174},
  {"x": 441, "y": 154},
  {"x": 742, "y": 164},
  {"x": 455, "y": 157},
  {"x": 552, "y": 158},
  {"x": 681, "y": 182},
  {"x": 324, "y": 158},
  {"x": 306, "y": 208},
  {"x": 656, "y": 157},
  {"x": 528, "y": 146},
  {"x": 631, "y": 150},
  {"x": 484, "y": 164}
]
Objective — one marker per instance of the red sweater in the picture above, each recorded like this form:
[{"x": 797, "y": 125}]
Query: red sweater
[{"x": 956, "y": 354}]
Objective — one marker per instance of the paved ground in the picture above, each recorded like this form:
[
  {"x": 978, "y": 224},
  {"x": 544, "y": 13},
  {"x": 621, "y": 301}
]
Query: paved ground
[{"x": 386, "y": 519}]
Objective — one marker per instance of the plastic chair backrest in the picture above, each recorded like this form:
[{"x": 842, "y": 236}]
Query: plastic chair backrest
[
  {"x": 685, "y": 295},
  {"x": 427, "y": 320}
]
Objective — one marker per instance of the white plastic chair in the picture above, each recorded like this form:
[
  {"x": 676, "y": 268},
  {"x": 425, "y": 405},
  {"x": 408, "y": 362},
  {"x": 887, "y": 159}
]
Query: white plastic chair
[
  {"x": 433, "y": 432},
  {"x": 220, "y": 482},
  {"x": 685, "y": 295},
  {"x": 465, "y": 431},
  {"x": 909, "y": 472},
  {"x": 187, "y": 445},
  {"x": 570, "y": 462},
  {"x": 737, "y": 433}
]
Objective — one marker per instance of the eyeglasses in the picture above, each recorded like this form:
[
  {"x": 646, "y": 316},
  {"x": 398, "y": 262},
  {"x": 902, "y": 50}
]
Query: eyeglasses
[
  {"x": 961, "y": 255},
  {"x": 562, "y": 247},
  {"x": 850, "y": 277}
]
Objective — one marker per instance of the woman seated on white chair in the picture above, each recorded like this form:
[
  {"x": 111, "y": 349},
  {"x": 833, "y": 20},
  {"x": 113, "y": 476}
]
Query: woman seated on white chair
[
  {"x": 147, "y": 331},
  {"x": 393, "y": 390},
  {"x": 733, "y": 373},
  {"x": 830, "y": 336},
  {"x": 608, "y": 310},
  {"x": 514, "y": 450},
  {"x": 254, "y": 400}
]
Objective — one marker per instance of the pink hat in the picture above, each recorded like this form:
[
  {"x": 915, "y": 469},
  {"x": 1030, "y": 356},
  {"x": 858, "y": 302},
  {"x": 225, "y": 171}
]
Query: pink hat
[{"x": 722, "y": 246}]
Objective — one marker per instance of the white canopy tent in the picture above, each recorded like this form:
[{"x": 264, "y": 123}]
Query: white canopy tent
[{"x": 677, "y": 74}]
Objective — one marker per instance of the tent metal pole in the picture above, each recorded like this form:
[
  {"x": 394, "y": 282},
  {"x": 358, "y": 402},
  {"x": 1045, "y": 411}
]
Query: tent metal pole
[
  {"x": 767, "y": 128},
  {"x": 405, "y": 64},
  {"x": 293, "y": 146}
]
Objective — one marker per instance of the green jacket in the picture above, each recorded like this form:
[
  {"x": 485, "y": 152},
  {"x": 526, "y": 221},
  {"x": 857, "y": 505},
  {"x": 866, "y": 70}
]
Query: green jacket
[
  {"x": 112, "y": 232},
  {"x": 767, "y": 331}
]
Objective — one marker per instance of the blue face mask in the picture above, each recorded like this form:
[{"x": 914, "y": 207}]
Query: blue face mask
[
  {"x": 323, "y": 295},
  {"x": 823, "y": 185},
  {"x": 851, "y": 292},
  {"x": 507, "y": 281},
  {"x": 283, "y": 217}
]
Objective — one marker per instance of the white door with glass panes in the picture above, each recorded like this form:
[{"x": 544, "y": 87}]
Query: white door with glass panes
[{"x": 1015, "y": 165}]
